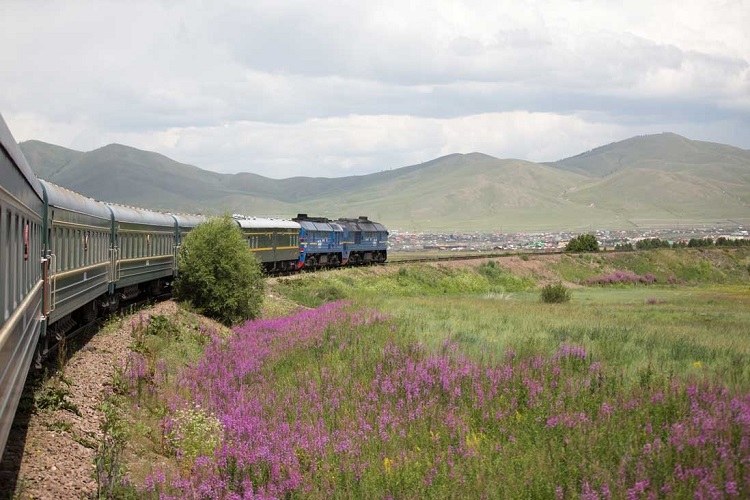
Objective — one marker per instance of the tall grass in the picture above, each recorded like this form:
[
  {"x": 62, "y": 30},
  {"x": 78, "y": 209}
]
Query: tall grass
[
  {"x": 684, "y": 266},
  {"x": 443, "y": 383},
  {"x": 340, "y": 402},
  {"x": 619, "y": 326},
  {"x": 406, "y": 281}
]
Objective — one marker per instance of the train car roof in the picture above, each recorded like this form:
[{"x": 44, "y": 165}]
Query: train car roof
[
  {"x": 371, "y": 226},
  {"x": 261, "y": 223},
  {"x": 10, "y": 146},
  {"x": 60, "y": 197},
  {"x": 362, "y": 224},
  {"x": 320, "y": 226},
  {"x": 189, "y": 220},
  {"x": 140, "y": 216}
]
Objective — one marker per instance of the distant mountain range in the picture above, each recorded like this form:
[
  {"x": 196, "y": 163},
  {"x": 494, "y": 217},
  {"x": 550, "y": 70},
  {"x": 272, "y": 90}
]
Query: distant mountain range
[{"x": 648, "y": 182}]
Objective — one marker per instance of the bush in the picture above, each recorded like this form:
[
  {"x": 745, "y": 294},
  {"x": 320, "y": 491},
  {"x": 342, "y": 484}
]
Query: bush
[
  {"x": 217, "y": 274},
  {"x": 583, "y": 243},
  {"x": 555, "y": 294}
]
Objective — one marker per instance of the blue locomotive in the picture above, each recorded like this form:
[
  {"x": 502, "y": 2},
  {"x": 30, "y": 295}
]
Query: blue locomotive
[
  {"x": 66, "y": 259},
  {"x": 327, "y": 243}
]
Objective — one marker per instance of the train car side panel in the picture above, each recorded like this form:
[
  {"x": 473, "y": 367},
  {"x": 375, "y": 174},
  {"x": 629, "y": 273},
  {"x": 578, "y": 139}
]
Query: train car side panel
[
  {"x": 21, "y": 285},
  {"x": 78, "y": 238},
  {"x": 144, "y": 250},
  {"x": 275, "y": 242}
]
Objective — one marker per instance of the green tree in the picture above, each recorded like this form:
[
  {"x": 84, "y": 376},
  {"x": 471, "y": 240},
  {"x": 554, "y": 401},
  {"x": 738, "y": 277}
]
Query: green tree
[
  {"x": 217, "y": 274},
  {"x": 583, "y": 243}
]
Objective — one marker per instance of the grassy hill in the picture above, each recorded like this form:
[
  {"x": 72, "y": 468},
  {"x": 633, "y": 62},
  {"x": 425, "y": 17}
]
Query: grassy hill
[
  {"x": 647, "y": 181},
  {"x": 48, "y": 159}
]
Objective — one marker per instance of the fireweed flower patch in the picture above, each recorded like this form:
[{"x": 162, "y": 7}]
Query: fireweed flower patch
[{"x": 336, "y": 402}]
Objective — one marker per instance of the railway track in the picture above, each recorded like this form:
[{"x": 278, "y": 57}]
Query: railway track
[{"x": 489, "y": 255}]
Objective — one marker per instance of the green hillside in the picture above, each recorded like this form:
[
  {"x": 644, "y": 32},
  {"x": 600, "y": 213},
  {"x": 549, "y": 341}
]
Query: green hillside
[
  {"x": 48, "y": 159},
  {"x": 648, "y": 181}
]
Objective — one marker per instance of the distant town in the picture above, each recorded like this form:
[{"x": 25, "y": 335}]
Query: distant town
[{"x": 498, "y": 241}]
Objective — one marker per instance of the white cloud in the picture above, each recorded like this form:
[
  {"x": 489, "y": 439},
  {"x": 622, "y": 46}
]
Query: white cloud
[{"x": 349, "y": 87}]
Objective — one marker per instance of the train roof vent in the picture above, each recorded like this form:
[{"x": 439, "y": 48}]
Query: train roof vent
[
  {"x": 305, "y": 217},
  {"x": 363, "y": 217}
]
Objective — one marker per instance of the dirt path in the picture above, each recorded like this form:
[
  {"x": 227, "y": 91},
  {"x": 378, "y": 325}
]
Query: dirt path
[{"x": 50, "y": 454}]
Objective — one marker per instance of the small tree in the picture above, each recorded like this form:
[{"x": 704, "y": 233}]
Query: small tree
[
  {"x": 583, "y": 243},
  {"x": 217, "y": 274}
]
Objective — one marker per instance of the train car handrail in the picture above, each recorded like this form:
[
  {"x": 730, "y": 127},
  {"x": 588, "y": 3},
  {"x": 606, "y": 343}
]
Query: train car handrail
[
  {"x": 114, "y": 266},
  {"x": 118, "y": 264},
  {"x": 53, "y": 281}
]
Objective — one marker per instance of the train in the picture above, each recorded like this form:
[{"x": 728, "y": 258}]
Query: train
[{"x": 66, "y": 260}]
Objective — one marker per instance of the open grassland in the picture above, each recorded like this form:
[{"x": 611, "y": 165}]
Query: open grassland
[{"x": 436, "y": 381}]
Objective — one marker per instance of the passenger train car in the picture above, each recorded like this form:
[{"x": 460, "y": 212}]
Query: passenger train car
[
  {"x": 66, "y": 259},
  {"x": 22, "y": 299},
  {"x": 275, "y": 242}
]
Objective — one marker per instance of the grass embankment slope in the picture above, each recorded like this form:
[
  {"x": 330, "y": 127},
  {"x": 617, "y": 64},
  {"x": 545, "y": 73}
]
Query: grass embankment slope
[{"x": 444, "y": 381}]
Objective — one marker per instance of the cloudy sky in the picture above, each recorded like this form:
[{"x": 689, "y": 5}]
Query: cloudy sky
[{"x": 332, "y": 88}]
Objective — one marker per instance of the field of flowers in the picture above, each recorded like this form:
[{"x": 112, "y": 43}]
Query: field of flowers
[{"x": 344, "y": 401}]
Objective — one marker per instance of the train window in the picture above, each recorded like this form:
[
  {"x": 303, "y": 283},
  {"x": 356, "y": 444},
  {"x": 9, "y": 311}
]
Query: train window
[
  {"x": 13, "y": 260},
  {"x": 77, "y": 246},
  {"x": 74, "y": 243},
  {"x": 73, "y": 246},
  {"x": 63, "y": 254},
  {"x": 26, "y": 241},
  {"x": 4, "y": 258},
  {"x": 66, "y": 248},
  {"x": 58, "y": 250},
  {"x": 72, "y": 249}
]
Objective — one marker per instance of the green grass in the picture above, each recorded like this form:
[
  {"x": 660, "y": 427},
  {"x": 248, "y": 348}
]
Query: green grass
[
  {"x": 644, "y": 343},
  {"x": 405, "y": 281},
  {"x": 488, "y": 310},
  {"x": 618, "y": 326},
  {"x": 683, "y": 266}
]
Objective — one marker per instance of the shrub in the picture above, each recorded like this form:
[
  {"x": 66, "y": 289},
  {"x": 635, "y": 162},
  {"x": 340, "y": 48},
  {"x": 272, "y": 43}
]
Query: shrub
[
  {"x": 217, "y": 274},
  {"x": 622, "y": 277},
  {"x": 555, "y": 294},
  {"x": 583, "y": 243}
]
